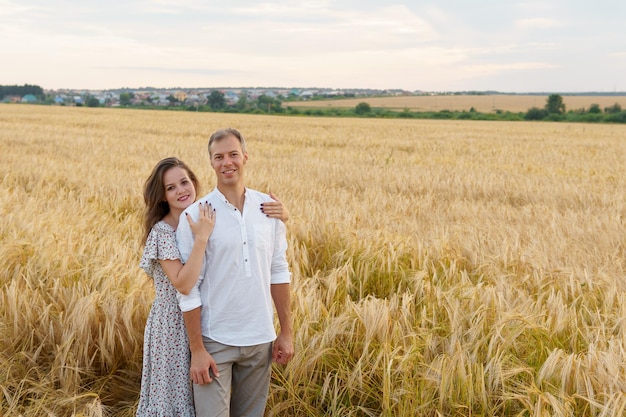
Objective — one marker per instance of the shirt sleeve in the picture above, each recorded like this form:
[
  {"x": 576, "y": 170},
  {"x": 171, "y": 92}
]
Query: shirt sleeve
[
  {"x": 184, "y": 237},
  {"x": 280, "y": 266},
  {"x": 184, "y": 240}
]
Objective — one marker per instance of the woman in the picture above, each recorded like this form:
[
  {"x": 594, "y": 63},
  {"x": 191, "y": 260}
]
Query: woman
[{"x": 170, "y": 189}]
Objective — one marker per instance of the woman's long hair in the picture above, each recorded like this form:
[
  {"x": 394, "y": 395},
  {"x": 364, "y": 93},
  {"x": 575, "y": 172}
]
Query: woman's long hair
[{"x": 154, "y": 192}]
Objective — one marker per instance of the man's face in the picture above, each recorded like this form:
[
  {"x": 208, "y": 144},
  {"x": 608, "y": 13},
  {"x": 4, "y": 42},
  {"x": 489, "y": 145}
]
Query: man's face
[{"x": 228, "y": 160}]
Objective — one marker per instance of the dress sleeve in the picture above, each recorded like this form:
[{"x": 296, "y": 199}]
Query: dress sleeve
[{"x": 161, "y": 244}]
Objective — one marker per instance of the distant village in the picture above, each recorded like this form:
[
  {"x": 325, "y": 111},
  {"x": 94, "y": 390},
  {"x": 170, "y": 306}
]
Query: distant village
[
  {"x": 276, "y": 101},
  {"x": 191, "y": 97},
  {"x": 168, "y": 97}
]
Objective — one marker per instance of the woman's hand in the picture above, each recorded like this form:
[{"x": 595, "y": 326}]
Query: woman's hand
[
  {"x": 275, "y": 209},
  {"x": 203, "y": 228}
]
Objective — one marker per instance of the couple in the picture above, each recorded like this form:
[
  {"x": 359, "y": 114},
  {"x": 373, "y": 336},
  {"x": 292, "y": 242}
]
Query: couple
[{"x": 222, "y": 262}]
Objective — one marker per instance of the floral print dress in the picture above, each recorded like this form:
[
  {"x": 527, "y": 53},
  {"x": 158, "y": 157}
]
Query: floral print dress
[{"x": 165, "y": 383}]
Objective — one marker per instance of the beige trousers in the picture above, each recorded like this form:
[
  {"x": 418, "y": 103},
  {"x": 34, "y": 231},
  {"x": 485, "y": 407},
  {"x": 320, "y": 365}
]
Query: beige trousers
[{"x": 243, "y": 385}]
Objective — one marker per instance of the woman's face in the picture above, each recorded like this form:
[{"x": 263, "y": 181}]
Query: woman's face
[{"x": 179, "y": 190}]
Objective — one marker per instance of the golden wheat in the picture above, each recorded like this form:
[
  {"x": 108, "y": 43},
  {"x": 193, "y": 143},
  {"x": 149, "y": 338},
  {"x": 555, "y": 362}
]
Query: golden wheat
[{"x": 440, "y": 267}]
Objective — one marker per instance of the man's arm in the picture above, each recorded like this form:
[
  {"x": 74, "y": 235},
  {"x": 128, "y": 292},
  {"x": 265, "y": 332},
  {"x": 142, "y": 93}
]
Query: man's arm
[
  {"x": 283, "y": 350},
  {"x": 201, "y": 360}
]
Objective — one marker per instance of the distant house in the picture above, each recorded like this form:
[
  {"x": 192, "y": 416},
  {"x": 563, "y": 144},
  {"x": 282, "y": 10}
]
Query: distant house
[
  {"x": 231, "y": 98},
  {"x": 195, "y": 99},
  {"x": 29, "y": 98},
  {"x": 59, "y": 100},
  {"x": 161, "y": 100}
]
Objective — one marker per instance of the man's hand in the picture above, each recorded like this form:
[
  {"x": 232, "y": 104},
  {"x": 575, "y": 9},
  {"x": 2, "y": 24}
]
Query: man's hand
[
  {"x": 201, "y": 363},
  {"x": 282, "y": 350}
]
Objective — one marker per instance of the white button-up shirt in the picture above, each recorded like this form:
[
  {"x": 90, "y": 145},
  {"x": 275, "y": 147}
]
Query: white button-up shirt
[{"x": 245, "y": 255}]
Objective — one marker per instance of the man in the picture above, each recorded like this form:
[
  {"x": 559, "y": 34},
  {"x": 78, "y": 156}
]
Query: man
[{"x": 229, "y": 314}]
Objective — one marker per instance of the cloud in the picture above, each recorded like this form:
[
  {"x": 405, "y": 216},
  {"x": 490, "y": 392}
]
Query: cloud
[
  {"x": 9, "y": 8},
  {"x": 171, "y": 70},
  {"x": 513, "y": 66},
  {"x": 538, "y": 23},
  {"x": 534, "y": 6},
  {"x": 360, "y": 43}
]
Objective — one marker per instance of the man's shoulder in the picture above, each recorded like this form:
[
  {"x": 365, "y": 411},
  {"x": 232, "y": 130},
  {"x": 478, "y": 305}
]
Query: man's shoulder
[{"x": 257, "y": 195}]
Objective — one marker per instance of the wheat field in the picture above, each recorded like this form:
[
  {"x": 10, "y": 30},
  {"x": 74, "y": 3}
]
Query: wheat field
[
  {"x": 440, "y": 268},
  {"x": 481, "y": 103}
]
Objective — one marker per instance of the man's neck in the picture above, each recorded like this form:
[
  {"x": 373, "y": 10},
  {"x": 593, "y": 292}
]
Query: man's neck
[{"x": 235, "y": 195}]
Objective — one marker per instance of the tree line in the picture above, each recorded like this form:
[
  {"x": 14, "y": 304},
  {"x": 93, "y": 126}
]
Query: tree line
[
  {"x": 21, "y": 90},
  {"x": 553, "y": 110}
]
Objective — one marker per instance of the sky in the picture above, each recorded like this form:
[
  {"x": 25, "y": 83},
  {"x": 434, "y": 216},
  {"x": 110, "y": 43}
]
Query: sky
[{"x": 417, "y": 45}]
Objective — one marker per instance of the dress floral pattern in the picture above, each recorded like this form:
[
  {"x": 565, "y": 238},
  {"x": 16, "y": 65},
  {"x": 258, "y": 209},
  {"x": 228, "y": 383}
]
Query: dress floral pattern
[{"x": 165, "y": 383}]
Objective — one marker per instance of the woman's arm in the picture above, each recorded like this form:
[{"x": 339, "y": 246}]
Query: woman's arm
[{"x": 184, "y": 276}]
